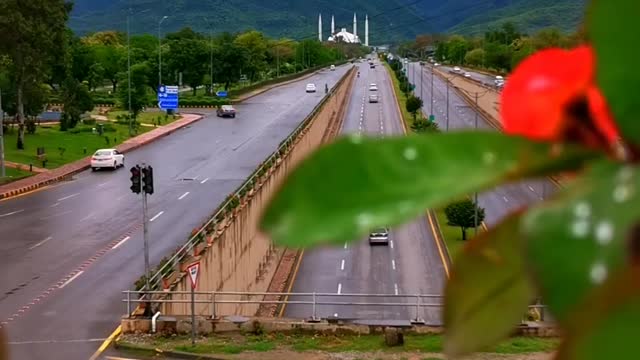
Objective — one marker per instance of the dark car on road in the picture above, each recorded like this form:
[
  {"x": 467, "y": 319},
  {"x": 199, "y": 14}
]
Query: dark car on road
[{"x": 226, "y": 111}]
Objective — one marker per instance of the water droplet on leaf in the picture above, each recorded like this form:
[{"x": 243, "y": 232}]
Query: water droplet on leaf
[
  {"x": 622, "y": 193},
  {"x": 489, "y": 158},
  {"x": 410, "y": 153},
  {"x": 580, "y": 228},
  {"x": 598, "y": 273},
  {"x": 582, "y": 210},
  {"x": 604, "y": 232}
]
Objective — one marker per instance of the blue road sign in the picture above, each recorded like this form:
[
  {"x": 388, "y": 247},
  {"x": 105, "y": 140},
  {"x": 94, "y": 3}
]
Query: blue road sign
[
  {"x": 168, "y": 97},
  {"x": 221, "y": 94}
]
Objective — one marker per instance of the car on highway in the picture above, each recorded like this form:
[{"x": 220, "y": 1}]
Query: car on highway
[
  {"x": 379, "y": 236},
  {"x": 226, "y": 110},
  {"x": 436, "y": 64},
  {"x": 467, "y": 75},
  {"x": 372, "y": 66},
  {"x": 311, "y": 88},
  {"x": 373, "y": 87},
  {"x": 456, "y": 69},
  {"x": 333, "y": 68},
  {"x": 107, "y": 158},
  {"x": 373, "y": 98}
]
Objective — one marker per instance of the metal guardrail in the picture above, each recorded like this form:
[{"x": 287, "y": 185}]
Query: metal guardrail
[
  {"x": 181, "y": 253},
  {"x": 413, "y": 302}
]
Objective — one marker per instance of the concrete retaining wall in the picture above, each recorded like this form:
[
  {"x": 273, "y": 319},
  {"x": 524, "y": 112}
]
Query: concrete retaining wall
[{"x": 238, "y": 257}]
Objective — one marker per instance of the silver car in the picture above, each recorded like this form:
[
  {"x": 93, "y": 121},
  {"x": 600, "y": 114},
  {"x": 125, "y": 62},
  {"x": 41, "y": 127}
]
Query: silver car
[
  {"x": 379, "y": 236},
  {"x": 373, "y": 98}
]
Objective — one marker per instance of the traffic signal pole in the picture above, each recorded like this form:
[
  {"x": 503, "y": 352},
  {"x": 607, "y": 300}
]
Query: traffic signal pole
[
  {"x": 145, "y": 235},
  {"x": 142, "y": 181}
]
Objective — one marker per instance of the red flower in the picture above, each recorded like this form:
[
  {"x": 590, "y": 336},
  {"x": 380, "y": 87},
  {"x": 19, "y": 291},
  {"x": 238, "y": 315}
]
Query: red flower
[{"x": 552, "y": 96}]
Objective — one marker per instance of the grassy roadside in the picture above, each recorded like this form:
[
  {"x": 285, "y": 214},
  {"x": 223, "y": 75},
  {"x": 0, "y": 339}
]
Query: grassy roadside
[
  {"x": 238, "y": 343},
  {"x": 13, "y": 175},
  {"x": 65, "y": 147},
  {"x": 147, "y": 117},
  {"x": 402, "y": 98}
]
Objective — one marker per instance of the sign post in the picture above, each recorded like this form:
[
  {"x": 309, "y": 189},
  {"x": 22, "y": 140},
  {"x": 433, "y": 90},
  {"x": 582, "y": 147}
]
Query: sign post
[
  {"x": 193, "y": 270},
  {"x": 168, "y": 97}
]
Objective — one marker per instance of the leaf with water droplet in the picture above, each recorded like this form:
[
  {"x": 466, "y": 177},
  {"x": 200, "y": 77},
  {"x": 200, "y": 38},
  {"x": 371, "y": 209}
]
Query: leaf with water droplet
[
  {"x": 607, "y": 323},
  {"x": 488, "y": 291},
  {"x": 572, "y": 251},
  {"x": 327, "y": 195}
]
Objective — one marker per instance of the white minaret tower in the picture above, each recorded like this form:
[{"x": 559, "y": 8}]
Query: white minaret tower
[
  {"x": 333, "y": 26},
  {"x": 320, "y": 27},
  {"x": 355, "y": 26},
  {"x": 366, "y": 30}
]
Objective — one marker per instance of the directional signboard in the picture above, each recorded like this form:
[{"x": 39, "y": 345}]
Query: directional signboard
[
  {"x": 168, "y": 97},
  {"x": 193, "y": 270},
  {"x": 221, "y": 94}
]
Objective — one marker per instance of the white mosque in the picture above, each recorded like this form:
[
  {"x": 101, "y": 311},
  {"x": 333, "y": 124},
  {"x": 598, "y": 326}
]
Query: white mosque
[{"x": 343, "y": 35}]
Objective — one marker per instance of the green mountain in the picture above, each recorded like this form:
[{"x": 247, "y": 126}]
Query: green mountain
[{"x": 389, "y": 19}]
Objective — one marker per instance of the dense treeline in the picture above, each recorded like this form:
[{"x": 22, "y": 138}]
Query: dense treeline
[
  {"x": 43, "y": 61},
  {"x": 499, "y": 50}
]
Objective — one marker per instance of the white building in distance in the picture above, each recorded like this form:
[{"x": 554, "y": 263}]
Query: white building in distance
[{"x": 343, "y": 35}]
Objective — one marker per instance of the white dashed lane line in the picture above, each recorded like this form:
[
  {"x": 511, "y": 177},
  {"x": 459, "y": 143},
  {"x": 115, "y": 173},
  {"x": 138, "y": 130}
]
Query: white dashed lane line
[
  {"x": 40, "y": 243},
  {"x": 391, "y": 243},
  {"x": 505, "y": 199},
  {"x": 342, "y": 265},
  {"x": 120, "y": 243},
  {"x": 395, "y": 288},
  {"x": 183, "y": 195},
  {"x": 204, "y": 181},
  {"x": 68, "y": 197},
  {"x": 393, "y": 264},
  {"x": 157, "y": 216},
  {"x": 71, "y": 279},
  {"x": 339, "y": 288},
  {"x": 11, "y": 213}
]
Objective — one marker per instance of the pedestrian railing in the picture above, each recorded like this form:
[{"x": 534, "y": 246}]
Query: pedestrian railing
[{"x": 415, "y": 304}]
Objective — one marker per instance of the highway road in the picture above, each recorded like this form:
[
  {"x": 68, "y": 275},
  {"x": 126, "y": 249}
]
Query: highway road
[
  {"x": 411, "y": 264},
  {"x": 478, "y": 76},
  {"x": 69, "y": 250},
  {"x": 502, "y": 200}
]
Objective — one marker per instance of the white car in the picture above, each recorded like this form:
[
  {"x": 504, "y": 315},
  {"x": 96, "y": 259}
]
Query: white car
[
  {"x": 373, "y": 98},
  {"x": 373, "y": 87},
  {"x": 333, "y": 68},
  {"x": 107, "y": 158},
  {"x": 311, "y": 88},
  {"x": 467, "y": 75},
  {"x": 436, "y": 64},
  {"x": 379, "y": 236}
]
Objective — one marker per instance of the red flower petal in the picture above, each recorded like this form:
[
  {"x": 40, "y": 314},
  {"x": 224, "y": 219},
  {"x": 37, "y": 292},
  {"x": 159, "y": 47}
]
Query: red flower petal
[
  {"x": 535, "y": 97},
  {"x": 602, "y": 115}
]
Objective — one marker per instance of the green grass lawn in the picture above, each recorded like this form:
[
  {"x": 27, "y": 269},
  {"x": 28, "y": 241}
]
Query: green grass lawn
[
  {"x": 73, "y": 142},
  {"x": 13, "y": 175},
  {"x": 235, "y": 344},
  {"x": 452, "y": 234},
  {"x": 147, "y": 117}
]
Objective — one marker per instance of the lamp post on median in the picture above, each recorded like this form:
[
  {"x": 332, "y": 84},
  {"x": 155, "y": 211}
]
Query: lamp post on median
[
  {"x": 160, "y": 51},
  {"x": 2, "y": 170}
]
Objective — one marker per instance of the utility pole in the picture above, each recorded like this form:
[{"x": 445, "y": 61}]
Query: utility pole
[
  {"x": 278, "y": 60},
  {"x": 211, "y": 57},
  {"x": 160, "y": 51},
  {"x": 431, "y": 106},
  {"x": 475, "y": 218},
  {"x": 129, "y": 72},
  {"x": 2, "y": 170},
  {"x": 447, "y": 126}
]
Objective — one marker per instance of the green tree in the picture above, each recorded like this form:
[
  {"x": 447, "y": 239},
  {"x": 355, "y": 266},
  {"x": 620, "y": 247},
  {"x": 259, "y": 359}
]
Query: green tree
[
  {"x": 112, "y": 58},
  {"x": 414, "y": 104},
  {"x": 462, "y": 214},
  {"x": 424, "y": 126},
  {"x": 32, "y": 32},
  {"x": 96, "y": 75},
  {"x": 255, "y": 45},
  {"x": 475, "y": 57},
  {"x": 457, "y": 49},
  {"x": 228, "y": 60},
  {"x": 190, "y": 57},
  {"x": 76, "y": 100},
  {"x": 139, "y": 93}
]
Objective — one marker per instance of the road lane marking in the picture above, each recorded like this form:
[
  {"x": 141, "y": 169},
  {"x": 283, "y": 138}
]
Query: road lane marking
[
  {"x": 11, "y": 213},
  {"x": 393, "y": 264},
  {"x": 436, "y": 239},
  {"x": 395, "y": 288},
  {"x": 339, "y": 288},
  {"x": 106, "y": 343},
  {"x": 87, "y": 217},
  {"x": 505, "y": 199},
  {"x": 204, "y": 181},
  {"x": 183, "y": 196},
  {"x": 342, "y": 265},
  {"x": 121, "y": 242},
  {"x": 345, "y": 245},
  {"x": 157, "y": 216},
  {"x": 53, "y": 341},
  {"x": 530, "y": 188},
  {"x": 71, "y": 279},
  {"x": 54, "y": 205},
  {"x": 40, "y": 243},
  {"x": 103, "y": 184},
  {"x": 391, "y": 243},
  {"x": 56, "y": 215},
  {"x": 68, "y": 197}
]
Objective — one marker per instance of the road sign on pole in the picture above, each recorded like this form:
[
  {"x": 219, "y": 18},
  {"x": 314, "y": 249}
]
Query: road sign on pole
[
  {"x": 221, "y": 94},
  {"x": 193, "y": 270},
  {"x": 168, "y": 97}
]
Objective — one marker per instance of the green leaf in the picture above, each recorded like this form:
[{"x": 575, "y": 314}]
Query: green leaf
[
  {"x": 347, "y": 188},
  {"x": 606, "y": 326},
  {"x": 488, "y": 292},
  {"x": 613, "y": 28},
  {"x": 578, "y": 238}
]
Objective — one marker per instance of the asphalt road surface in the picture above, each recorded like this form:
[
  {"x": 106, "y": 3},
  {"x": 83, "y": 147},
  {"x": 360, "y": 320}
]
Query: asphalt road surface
[
  {"x": 90, "y": 227},
  {"x": 411, "y": 264},
  {"x": 502, "y": 200},
  {"x": 478, "y": 76}
]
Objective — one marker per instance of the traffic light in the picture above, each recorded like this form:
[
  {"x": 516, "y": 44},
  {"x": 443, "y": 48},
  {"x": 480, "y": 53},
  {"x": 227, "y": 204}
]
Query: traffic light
[
  {"x": 147, "y": 179},
  {"x": 135, "y": 179}
]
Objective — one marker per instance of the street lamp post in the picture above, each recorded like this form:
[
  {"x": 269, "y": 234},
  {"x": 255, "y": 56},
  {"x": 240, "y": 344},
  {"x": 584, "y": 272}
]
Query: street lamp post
[
  {"x": 475, "y": 218},
  {"x": 129, "y": 72},
  {"x": 2, "y": 171},
  {"x": 160, "y": 51}
]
